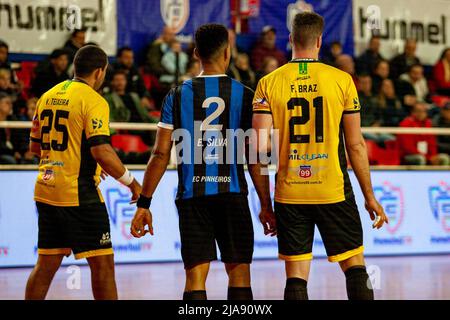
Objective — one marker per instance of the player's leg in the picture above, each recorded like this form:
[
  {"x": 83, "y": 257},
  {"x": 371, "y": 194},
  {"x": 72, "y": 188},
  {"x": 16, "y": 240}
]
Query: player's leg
[
  {"x": 233, "y": 229},
  {"x": 102, "y": 277},
  {"x": 52, "y": 247},
  {"x": 198, "y": 246},
  {"x": 89, "y": 234},
  {"x": 42, "y": 275},
  {"x": 357, "y": 279},
  {"x": 295, "y": 228},
  {"x": 340, "y": 227},
  {"x": 195, "y": 288}
]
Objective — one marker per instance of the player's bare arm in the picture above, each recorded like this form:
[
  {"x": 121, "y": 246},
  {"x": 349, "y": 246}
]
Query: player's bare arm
[
  {"x": 357, "y": 153},
  {"x": 156, "y": 167},
  {"x": 35, "y": 148},
  {"x": 262, "y": 124},
  {"x": 107, "y": 158}
]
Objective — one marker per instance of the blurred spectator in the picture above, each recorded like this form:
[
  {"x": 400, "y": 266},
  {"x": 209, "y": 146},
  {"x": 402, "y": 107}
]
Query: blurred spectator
[
  {"x": 20, "y": 138},
  {"x": 370, "y": 116},
  {"x": 266, "y": 47},
  {"x": 14, "y": 84},
  {"x": 242, "y": 72},
  {"x": 391, "y": 110},
  {"x": 380, "y": 73},
  {"x": 175, "y": 62},
  {"x": 76, "y": 41},
  {"x": 157, "y": 50},
  {"x": 334, "y": 51},
  {"x": 4, "y": 52},
  {"x": 232, "y": 42},
  {"x": 420, "y": 149},
  {"x": 53, "y": 74},
  {"x": 125, "y": 62},
  {"x": 345, "y": 63},
  {"x": 125, "y": 106},
  {"x": 370, "y": 110},
  {"x": 417, "y": 82},
  {"x": 402, "y": 62},
  {"x": 442, "y": 120},
  {"x": 5, "y": 84},
  {"x": 269, "y": 64},
  {"x": 6, "y": 147},
  {"x": 441, "y": 73},
  {"x": 365, "y": 63},
  {"x": 193, "y": 70}
]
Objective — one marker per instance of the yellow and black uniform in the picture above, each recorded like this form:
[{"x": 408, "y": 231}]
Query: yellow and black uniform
[
  {"x": 70, "y": 118},
  {"x": 307, "y": 100}
]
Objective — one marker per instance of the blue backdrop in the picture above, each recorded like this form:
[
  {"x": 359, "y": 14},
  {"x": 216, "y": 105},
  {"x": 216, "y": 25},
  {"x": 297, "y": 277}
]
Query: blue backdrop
[
  {"x": 337, "y": 14},
  {"x": 140, "y": 21}
]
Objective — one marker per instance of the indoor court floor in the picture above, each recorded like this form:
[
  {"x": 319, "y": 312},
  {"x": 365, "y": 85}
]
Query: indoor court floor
[{"x": 403, "y": 278}]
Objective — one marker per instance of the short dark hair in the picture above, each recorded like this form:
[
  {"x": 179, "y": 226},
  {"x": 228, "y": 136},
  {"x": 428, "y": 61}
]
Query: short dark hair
[
  {"x": 210, "y": 39},
  {"x": 58, "y": 53},
  {"x": 3, "y": 44},
  {"x": 88, "y": 59},
  {"x": 76, "y": 31},
  {"x": 122, "y": 50},
  {"x": 119, "y": 72},
  {"x": 414, "y": 65},
  {"x": 306, "y": 28}
]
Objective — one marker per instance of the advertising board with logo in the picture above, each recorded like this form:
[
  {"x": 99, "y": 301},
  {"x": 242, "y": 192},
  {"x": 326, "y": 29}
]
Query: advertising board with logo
[{"x": 417, "y": 204}]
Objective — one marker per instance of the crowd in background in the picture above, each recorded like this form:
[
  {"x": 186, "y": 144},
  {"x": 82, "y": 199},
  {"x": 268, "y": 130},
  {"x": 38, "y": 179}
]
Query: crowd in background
[{"x": 397, "y": 92}]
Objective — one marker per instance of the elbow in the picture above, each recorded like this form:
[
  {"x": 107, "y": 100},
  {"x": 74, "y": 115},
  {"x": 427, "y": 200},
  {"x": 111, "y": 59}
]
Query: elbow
[{"x": 356, "y": 147}]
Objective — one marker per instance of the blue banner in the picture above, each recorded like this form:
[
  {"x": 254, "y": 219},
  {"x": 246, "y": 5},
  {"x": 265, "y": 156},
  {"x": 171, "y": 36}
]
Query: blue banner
[
  {"x": 337, "y": 14},
  {"x": 139, "y": 22}
]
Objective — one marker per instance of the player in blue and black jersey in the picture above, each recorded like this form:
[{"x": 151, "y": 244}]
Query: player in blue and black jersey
[{"x": 207, "y": 113}]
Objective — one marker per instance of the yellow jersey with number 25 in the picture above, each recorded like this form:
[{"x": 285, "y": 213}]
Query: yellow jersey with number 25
[{"x": 69, "y": 119}]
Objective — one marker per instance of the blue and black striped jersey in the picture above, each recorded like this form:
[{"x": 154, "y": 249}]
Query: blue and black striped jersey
[{"x": 208, "y": 110}]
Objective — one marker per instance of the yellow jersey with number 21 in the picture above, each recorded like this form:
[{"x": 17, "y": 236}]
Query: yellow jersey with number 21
[{"x": 307, "y": 100}]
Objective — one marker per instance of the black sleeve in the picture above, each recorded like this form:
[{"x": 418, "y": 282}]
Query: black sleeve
[
  {"x": 99, "y": 140},
  {"x": 247, "y": 108}
]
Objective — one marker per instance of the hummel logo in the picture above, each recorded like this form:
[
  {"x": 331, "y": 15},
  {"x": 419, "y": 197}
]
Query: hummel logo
[
  {"x": 97, "y": 123},
  {"x": 106, "y": 239}
]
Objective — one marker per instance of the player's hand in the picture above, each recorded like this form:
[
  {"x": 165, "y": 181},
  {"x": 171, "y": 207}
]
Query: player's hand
[
  {"x": 267, "y": 218},
  {"x": 135, "y": 189},
  {"x": 142, "y": 218},
  {"x": 376, "y": 211}
]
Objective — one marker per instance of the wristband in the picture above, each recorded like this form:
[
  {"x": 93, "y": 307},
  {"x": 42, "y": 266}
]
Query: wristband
[
  {"x": 144, "y": 202},
  {"x": 127, "y": 178}
]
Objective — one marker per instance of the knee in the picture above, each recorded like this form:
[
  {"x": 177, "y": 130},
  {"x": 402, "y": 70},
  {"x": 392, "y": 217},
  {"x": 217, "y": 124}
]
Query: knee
[
  {"x": 101, "y": 267},
  {"x": 238, "y": 274}
]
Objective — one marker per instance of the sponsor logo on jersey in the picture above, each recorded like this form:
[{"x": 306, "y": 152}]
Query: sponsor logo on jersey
[
  {"x": 97, "y": 123},
  {"x": 175, "y": 13},
  {"x": 48, "y": 175},
  {"x": 294, "y": 155},
  {"x": 305, "y": 172}
]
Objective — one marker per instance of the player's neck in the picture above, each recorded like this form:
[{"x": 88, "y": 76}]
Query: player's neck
[
  {"x": 89, "y": 81},
  {"x": 212, "y": 69},
  {"x": 305, "y": 54}
]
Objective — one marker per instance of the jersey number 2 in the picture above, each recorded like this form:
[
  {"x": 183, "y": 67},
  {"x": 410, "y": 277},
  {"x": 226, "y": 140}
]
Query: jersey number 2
[
  {"x": 54, "y": 145},
  {"x": 304, "y": 118},
  {"x": 206, "y": 124}
]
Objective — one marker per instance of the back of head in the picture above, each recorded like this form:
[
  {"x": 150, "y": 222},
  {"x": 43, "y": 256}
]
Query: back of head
[
  {"x": 210, "y": 41},
  {"x": 307, "y": 27},
  {"x": 88, "y": 59}
]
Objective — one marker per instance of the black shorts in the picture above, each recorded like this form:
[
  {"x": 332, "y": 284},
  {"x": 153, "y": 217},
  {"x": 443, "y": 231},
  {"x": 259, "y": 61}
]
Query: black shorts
[
  {"x": 83, "y": 230},
  {"x": 225, "y": 218},
  {"x": 339, "y": 225}
]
